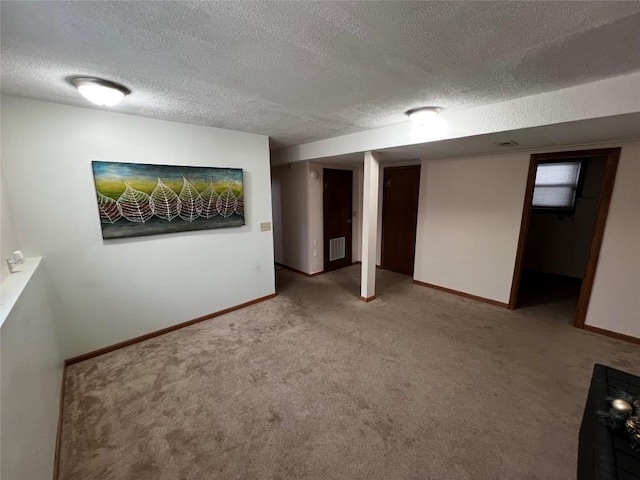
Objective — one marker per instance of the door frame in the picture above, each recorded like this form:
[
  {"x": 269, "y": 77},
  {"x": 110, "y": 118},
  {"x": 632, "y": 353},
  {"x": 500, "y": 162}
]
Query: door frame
[
  {"x": 417, "y": 166},
  {"x": 611, "y": 156}
]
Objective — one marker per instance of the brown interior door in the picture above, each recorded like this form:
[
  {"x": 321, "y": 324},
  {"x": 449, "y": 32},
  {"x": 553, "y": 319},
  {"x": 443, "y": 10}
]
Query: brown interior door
[
  {"x": 337, "y": 209},
  {"x": 399, "y": 218}
]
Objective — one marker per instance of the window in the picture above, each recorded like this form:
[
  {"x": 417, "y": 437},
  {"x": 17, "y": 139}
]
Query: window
[{"x": 556, "y": 185}]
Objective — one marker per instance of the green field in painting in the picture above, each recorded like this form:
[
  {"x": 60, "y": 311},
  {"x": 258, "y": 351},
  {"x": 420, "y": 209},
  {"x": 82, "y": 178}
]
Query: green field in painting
[{"x": 110, "y": 178}]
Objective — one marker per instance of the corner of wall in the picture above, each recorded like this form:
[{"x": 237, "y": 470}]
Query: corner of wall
[
  {"x": 8, "y": 235},
  {"x": 315, "y": 225}
]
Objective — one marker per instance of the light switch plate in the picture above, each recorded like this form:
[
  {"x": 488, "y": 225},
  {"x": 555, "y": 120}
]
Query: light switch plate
[{"x": 265, "y": 226}]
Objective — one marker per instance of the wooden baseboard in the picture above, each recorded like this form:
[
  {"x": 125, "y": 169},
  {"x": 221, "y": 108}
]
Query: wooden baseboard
[
  {"x": 463, "y": 294},
  {"x": 367, "y": 299},
  {"x": 309, "y": 275},
  {"x": 609, "y": 333},
  {"x": 142, "y": 338},
  {"x": 56, "y": 458}
]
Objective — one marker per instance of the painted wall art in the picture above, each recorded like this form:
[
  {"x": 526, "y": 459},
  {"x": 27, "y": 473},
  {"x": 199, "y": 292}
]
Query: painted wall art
[{"x": 139, "y": 199}]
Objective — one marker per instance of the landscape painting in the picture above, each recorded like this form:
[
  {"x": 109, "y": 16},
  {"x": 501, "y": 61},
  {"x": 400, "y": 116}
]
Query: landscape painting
[{"x": 139, "y": 199}]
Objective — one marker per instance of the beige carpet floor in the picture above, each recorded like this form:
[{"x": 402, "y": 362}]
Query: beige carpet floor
[{"x": 316, "y": 384}]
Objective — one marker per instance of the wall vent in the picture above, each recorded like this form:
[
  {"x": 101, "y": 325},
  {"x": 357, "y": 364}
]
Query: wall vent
[
  {"x": 336, "y": 248},
  {"x": 509, "y": 143}
]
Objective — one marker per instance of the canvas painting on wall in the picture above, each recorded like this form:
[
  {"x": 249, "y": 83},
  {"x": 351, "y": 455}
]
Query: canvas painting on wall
[{"x": 139, "y": 199}]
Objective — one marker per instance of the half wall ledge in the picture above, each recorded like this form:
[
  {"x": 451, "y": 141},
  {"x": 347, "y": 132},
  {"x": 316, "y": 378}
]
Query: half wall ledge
[{"x": 14, "y": 285}]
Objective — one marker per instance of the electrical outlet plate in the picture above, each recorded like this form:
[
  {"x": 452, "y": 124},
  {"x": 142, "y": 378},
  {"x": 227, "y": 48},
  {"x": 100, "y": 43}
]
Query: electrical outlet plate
[{"x": 265, "y": 226}]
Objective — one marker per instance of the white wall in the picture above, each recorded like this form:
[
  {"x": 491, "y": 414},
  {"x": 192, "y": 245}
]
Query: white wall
[
  {"x": 31, "y": 370},
  {"x": 293, "y": 215},
  {"x": 615, "y": 299},
  {"x": 8, "y": 240},
  {"x": 469, "y": 220},
  {"x": 469, "y": 217},
  {"x": 276, "y": 202},
  {"x": 105, "y": 292}
]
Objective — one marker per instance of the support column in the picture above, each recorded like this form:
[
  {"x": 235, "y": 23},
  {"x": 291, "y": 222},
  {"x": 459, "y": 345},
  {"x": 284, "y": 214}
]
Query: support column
[{"x": 369, "y": 226}]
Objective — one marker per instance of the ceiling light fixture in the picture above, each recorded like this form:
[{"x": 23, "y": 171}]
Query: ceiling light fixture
[
  {"x": 422, "y": 115},
  {"x": 99, "y": 91}
]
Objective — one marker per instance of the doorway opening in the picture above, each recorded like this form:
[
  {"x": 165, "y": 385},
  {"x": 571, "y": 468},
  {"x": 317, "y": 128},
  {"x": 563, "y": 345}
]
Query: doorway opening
[
  {"x": 337, "y": 218},
  {"x": 401, "y": 186},
  {"x": 565, "y": 211}
]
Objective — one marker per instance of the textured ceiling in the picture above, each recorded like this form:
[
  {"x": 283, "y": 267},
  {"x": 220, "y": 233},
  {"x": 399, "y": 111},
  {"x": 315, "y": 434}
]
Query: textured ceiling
[
  {"x": 604, "y": 130},
  {"x": 304, "y": 71},
  {"x": 617, "y": 128}
]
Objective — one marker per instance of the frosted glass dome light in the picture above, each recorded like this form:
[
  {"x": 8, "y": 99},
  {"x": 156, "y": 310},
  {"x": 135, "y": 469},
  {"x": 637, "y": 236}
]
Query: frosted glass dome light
[
  {"x": 423, "y": 115},
  {"x": 101, "y": 92}
]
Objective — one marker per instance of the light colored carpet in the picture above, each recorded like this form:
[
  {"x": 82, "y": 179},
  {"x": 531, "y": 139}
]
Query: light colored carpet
[{"x": 316, "y": 384}]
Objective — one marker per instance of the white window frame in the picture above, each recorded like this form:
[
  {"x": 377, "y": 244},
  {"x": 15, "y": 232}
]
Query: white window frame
[{"x": 570, "y": 184}]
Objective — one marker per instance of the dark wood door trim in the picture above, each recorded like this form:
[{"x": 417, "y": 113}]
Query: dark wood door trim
[
  {"x": 524, "y": 232},
  {"x": 612, "y": 156},
  {"x": 56, "y": 457},
  {"x": 609, "y": 333},
  {"x": 462, "y": 294}
]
